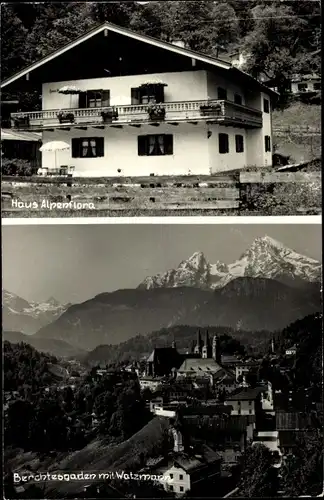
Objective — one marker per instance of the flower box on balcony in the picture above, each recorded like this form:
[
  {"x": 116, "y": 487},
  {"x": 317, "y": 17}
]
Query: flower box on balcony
[
  {"x": 156, "y": 112},
  {"x": 65, "y": 117},
  {"x": 21, "y": 121},
  {"x": 108, "y": 115},
  {"x": 211, "y": 108}
]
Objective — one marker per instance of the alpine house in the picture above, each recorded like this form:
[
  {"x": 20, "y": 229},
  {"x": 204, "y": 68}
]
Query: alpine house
[{"x": 128, "y": 104}]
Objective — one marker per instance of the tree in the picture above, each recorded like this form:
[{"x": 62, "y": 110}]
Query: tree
[
  {"x": 302, "y": 472},
  {"x": 274, "y": 44},
  {"x": 259, "y": 477},
  {"x": 13, "y": 38}
]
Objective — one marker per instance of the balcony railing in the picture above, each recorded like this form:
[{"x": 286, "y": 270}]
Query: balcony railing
[{"x": 218, "y": 111}]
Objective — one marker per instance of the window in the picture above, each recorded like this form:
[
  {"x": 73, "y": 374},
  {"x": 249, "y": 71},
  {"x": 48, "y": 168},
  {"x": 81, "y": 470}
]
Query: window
[
  {"x": 250, "y": 403},
  {"x": 155, "y": 145},
  {"x": 239, "y": 403},
  {"x": 266, "y": 106},
  {"x": 239, "y": 411},
  {"x": 181, "y": 488},
  {"x": 181, "y": 477},
  {"x": 171, "y": 476},
  {"x": 144, "y": 95},
  {"x": 222, "y": 94},
  {"x": 171, "y": 487},
  {"x": 302, "y": 87},
  {"x": 267, "y": 143},
  {"x": 250, "y": 412},
  {"x": 88, "y": 147},
  {"x": 94, "y": 99},
  {"x": 317, "y": 86},
  {"x": 237, "y": 99},
  {"x": 223, "y": 143},
  {"x": 239, "y": 143}
]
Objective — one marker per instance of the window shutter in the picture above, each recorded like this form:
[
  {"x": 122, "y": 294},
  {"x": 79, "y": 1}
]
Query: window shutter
[
  {"x": 141, "y": 144},
  {"x": 135, "y": 96},
  {"x": 100, "y": 146},
  {"x": 75, "y": 148},
  {"x": 222, "y": 94},
  {"x": 105, "y": 98},
  {"x": 168, "y": 144},
  {"x": 83, "y": 100}
]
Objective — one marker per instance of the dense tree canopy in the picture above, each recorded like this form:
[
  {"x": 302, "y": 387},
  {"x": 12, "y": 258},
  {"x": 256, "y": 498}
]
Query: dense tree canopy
[{"x": 280, "y": 38}]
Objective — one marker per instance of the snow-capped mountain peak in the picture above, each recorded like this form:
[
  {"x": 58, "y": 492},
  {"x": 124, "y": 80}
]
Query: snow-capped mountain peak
[
  {"x": 28, "y": 316},
  {"x": 265, "y": 258}
]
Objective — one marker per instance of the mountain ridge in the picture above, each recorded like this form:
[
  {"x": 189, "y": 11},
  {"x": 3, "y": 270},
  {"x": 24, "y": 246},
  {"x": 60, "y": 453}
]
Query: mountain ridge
[
  {"x": 265, "y": 258},
  {"x": 114, "y": 317}
]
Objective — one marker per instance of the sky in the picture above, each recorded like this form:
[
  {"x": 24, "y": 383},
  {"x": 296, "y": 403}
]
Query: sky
[{"x": 74, "y": 263}]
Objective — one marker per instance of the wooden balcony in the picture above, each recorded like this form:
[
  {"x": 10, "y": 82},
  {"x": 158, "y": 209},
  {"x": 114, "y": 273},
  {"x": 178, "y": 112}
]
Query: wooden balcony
[{"x": 216, "y": 111}]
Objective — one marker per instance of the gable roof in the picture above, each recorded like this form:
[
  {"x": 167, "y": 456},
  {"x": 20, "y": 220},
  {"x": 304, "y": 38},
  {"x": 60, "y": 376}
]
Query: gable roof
[
  {"x": 245, "y": 394},
  {"x": 207, "y": 365},
  {"x": 142, "y": 38}
]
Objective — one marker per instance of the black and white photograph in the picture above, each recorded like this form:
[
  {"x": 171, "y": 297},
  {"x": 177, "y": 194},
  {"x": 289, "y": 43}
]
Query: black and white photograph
[
  {"x": 161, "y": 108},
  {"x": 162, "y": 360}
]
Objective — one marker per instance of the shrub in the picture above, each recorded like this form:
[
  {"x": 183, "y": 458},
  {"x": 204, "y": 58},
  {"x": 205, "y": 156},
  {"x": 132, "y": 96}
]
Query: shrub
[{"x": 16, "y": 166}]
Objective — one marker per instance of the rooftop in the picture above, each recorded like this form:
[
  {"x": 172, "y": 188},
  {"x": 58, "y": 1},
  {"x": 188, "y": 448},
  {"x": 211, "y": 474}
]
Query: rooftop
[
  {"x": 116, "y": 36},
  {"x": 247, "y": 393}
]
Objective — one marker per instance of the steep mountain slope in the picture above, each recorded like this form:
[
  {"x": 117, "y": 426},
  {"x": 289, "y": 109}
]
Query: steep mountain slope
[
  {"x": 244, "y": 303},
  {"x": 20, "y": 315},
  {"x": 266, "y": 258},
  {"x": 55, "y": 347}
]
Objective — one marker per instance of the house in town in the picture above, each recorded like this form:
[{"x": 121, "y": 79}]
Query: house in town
[
  {"x": 246, "y": 401},
  {"x": 128, "y": 104},
  {"x": 291, "y": 351},
  {"x": 185, "y": 468}
]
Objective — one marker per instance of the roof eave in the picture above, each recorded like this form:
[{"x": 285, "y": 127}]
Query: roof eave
[{"x": 121, "y": 31}]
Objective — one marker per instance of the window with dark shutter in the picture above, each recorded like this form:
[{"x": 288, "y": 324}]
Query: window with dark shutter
[
  {"x": 75, "y": 148},
  {"x": 155, "y": 145},
  {"x": 237, "y": 99},
  {"x": 100, "y": 146},
  {"x": 239, "y": 143},
  {"x": 223, "y": 143},
  {"x": 83, "y": 100},
  {"x": 267, "y": 143},
  {"x": 135, "y": 96},
  {"x": 222, "y": 94},
  {"x": 168, "y": 144},
  {"x": 105, "y": 98},
  {"x": 141, "y": 145},
  {"x": 266, "y": 107}
]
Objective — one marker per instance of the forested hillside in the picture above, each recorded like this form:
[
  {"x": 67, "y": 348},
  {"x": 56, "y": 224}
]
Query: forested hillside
[{"x": 280, "y": 36}]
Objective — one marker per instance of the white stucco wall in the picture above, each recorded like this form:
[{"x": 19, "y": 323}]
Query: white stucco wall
[
  {"x": 214, "y": 81},
  {"x": 243, "y": 409},
  {"x": 267, "y": 130},
  {"x": 309, "y": 83},
  {"x": 256, "y": 154},
  {"x": 181, "y": 86},
  {"x": 226, "y": 161},
  {"x": 175, "y": 481},
  {"x": 190, "y": 152}
]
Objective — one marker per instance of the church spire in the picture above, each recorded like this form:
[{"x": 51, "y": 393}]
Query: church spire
[
  {"x": 206, "y": 352},
  {"x": 199, "y": 343}
]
